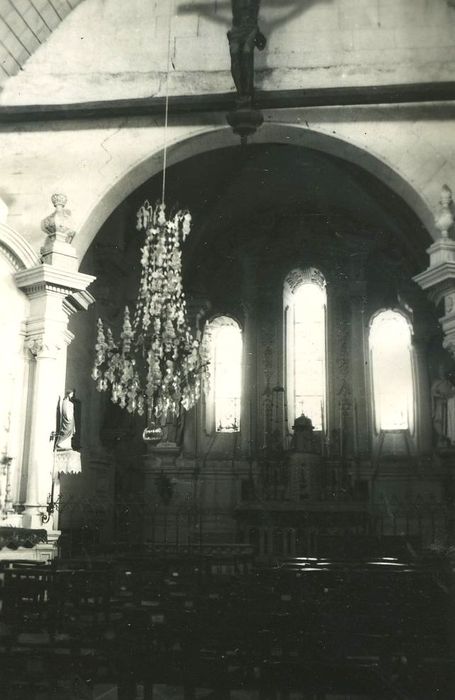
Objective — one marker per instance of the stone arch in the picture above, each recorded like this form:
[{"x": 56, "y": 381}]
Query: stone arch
[
  {"x": 218, "y": 138},
  {"x": 16, "y": 249}
]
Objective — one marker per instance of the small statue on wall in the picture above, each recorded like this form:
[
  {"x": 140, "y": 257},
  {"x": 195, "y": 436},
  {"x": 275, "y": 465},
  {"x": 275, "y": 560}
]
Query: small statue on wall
[
  {"x": 67, "y": 437},
  {"x": 443, "y": 409}
]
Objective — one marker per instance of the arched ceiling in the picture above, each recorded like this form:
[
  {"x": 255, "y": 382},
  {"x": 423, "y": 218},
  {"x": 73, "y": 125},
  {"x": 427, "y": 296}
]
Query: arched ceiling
[
  {"x": 272, "y": 204},
  {"x": 24, "y": 26}
]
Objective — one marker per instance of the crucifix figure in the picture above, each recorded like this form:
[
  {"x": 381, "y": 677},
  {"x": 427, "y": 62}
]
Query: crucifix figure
[{"x": 244, "y": 37}]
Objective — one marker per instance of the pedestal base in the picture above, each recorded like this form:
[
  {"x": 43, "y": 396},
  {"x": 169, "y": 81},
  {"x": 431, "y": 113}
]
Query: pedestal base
[{"x": 19, "y": 549}]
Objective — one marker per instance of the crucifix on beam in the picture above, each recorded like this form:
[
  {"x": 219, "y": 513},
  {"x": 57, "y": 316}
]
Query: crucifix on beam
[{"x": 244, "y": 37}]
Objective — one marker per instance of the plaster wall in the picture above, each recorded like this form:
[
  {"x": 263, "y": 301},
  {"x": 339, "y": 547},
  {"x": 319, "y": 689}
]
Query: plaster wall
[
  {"x": 12, "y": 373},
  {"x": 107, "y": 49}
]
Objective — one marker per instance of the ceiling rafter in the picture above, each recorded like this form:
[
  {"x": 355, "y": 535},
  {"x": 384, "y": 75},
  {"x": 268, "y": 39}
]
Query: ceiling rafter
[
  {"x": 14, "y": 7},
  {"x": 24, "y": 25}
]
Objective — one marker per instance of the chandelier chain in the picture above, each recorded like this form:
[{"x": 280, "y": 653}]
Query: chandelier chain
[{"x": 166, "y": 109}]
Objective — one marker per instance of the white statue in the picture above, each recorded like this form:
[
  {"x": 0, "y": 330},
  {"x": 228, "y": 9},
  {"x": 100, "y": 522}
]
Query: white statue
[{"x": 67, "y": 426}]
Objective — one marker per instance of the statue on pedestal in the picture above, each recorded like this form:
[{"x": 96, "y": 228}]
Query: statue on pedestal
[{"x": 67, "y": 423}]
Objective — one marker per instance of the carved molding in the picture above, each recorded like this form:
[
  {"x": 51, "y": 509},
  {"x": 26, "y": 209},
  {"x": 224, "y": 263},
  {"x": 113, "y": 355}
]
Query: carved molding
[
  {"x": 16, "y": 249},
  {"x": 47, "y": 278},
  {"x": 309, "y": 275},
  {"x": 79, "y": 301},
  {"x": 41, "y": 346},
  {"x": 10, "y": 257}
]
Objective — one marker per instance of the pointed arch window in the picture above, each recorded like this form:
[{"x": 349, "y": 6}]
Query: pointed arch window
[
  {"x": 306, "y": 345},
  {"x": 224, "y": 401},
  {"x": 392, "y": 371}
]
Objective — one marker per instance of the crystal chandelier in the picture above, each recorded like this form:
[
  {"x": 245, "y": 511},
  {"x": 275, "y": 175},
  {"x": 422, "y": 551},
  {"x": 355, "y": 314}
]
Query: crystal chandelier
[{"x": 157, "y": 366}]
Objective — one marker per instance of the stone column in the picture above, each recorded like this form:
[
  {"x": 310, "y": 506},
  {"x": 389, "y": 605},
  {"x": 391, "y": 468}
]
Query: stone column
[{"x": 55, "y": 290}]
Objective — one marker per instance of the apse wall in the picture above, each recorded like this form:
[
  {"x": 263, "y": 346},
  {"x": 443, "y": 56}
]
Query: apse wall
[{"x": 108, "y": 49}]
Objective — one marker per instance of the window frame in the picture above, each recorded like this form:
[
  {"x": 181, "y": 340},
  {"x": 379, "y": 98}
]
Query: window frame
[
  {"x": 412, "y": 415},
  {"x": 216, "y": 323},
  {"x": 293, "y": 281}
]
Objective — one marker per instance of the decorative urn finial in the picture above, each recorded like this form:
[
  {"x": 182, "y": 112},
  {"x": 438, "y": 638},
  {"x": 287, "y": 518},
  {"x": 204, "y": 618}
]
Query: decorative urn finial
[
  {"x": 57, "y": 248},
  {"x": 59, "y": 200},
  {"x": 57, "y": 225},
  {"x": 444, "y": 218}
]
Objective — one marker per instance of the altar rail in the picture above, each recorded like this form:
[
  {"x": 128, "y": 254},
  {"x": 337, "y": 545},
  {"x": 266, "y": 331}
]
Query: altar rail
[{"x": 274, "y": 529}]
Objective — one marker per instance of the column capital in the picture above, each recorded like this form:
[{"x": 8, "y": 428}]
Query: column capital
[{"x": 41, "y": 346}]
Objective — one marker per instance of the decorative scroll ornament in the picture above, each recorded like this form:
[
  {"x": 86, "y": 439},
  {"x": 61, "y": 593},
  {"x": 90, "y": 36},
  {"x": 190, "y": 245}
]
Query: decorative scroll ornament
[
  {"x": 157, "y": 365},
  {"x": 444, "y": 218}
]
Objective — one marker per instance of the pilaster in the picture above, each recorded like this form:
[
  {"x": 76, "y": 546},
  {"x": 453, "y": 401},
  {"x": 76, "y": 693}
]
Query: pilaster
[
  {"x": 439, "y": 278},
  {"x": 55, "y": 290}
]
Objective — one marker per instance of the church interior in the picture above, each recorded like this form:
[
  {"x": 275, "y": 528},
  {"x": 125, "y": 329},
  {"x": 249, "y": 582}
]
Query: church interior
[{"x": 227, "y": 357}]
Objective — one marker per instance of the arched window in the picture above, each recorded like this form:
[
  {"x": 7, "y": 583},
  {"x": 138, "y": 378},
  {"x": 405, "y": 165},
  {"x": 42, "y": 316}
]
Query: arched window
[
  {"x": 305, "y": 321},
  {"x": 225, "y": 375},
  {"x": 392, "y": 377}
]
